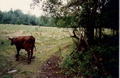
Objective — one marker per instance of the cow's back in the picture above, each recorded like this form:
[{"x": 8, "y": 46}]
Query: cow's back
[{"x": 25, "y": 41}]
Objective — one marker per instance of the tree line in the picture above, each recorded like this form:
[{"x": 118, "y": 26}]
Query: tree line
[{"x": 17, "y": 17}]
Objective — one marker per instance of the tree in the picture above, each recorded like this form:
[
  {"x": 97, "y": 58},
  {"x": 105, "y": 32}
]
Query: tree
[
  {"x": 89, "y": 14},
  {"x": 6, "y": 18},
  {"x": 112, "y": 15},
  {"x": 33, "y": 20},
  {"x": 1, "y": 16},
  {"x": 17, "y": 17},
  {"x": 44, "y": 20},
  {"x": 75, "y": 14}
]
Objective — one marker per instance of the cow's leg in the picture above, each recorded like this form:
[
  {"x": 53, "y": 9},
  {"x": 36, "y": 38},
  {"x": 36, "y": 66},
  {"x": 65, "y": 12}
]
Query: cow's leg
[
  {"x": 17, "y": 55},
  {"x": 29, "y": 58},
  {"x": 32, "y": 54}
]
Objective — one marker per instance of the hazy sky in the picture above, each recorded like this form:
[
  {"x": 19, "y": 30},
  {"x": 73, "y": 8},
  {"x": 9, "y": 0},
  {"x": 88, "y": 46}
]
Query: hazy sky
[{"x": 23, "y": 5}]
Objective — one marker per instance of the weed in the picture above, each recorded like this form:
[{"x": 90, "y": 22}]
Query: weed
[
  {"x": 7, "y": 76},
  {"x": 25, "y": 72}
]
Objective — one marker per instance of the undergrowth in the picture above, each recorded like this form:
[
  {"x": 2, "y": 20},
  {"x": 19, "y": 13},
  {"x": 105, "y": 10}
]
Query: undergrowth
[{"x": 84, "y": 64}]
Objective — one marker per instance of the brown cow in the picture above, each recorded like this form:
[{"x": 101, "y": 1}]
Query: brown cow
[{"x": 24, "y": 42}]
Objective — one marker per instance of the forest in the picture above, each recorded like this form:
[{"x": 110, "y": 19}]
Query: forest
[{"x": 17, "y": 17}]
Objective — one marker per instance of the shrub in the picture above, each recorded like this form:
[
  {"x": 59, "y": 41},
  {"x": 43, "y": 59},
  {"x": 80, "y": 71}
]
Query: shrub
[{"x": 84, "y": 64}]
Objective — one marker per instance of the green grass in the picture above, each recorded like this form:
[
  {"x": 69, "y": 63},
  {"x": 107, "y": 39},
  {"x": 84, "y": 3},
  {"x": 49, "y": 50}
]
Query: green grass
[{"x": 49, "y": 40}]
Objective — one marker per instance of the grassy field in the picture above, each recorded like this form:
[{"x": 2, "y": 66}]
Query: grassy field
[{"x": 49, "y": 40}]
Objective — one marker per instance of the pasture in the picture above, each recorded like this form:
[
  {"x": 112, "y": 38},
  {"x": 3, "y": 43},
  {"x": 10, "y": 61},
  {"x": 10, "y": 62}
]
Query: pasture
[{"x": 49, "y": 41}]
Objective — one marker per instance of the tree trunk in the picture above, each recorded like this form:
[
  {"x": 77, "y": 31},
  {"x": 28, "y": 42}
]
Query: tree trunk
[
  {"x": 96, "y": 35},
  {"x": 100, "y": 33},
  {"x": 90, "y": 35},
  {"x": 113, "y": 32}
]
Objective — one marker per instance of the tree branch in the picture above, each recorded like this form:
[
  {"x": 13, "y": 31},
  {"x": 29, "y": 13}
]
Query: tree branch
[{"x": 74, "y": 34}]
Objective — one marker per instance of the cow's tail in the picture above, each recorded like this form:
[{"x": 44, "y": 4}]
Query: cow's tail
[{"x": 35, "y": 48}]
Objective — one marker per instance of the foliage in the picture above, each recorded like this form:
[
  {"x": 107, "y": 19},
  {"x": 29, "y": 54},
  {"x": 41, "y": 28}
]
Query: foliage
[
  {"x": 17, "y": 17},
  {"x": 7, "y": 76},
  {"x": 84, "y": 64},
  {"x": 89, "y": 14}
]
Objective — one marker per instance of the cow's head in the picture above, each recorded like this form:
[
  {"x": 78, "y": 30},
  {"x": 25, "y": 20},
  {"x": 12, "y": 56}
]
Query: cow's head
[{"x": 13, "y": 40}]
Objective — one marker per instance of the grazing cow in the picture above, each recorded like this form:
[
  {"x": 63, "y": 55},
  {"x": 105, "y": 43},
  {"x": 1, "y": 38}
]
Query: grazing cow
[{"x": 24, "y": 42}]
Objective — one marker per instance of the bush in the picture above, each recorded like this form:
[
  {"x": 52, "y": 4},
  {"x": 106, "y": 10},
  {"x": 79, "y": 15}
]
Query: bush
[{"x": 84, "y": 63}]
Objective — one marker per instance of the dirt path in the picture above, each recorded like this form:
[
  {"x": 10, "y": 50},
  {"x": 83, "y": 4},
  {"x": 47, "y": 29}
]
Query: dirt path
[{"x": 50, "y": 69}]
